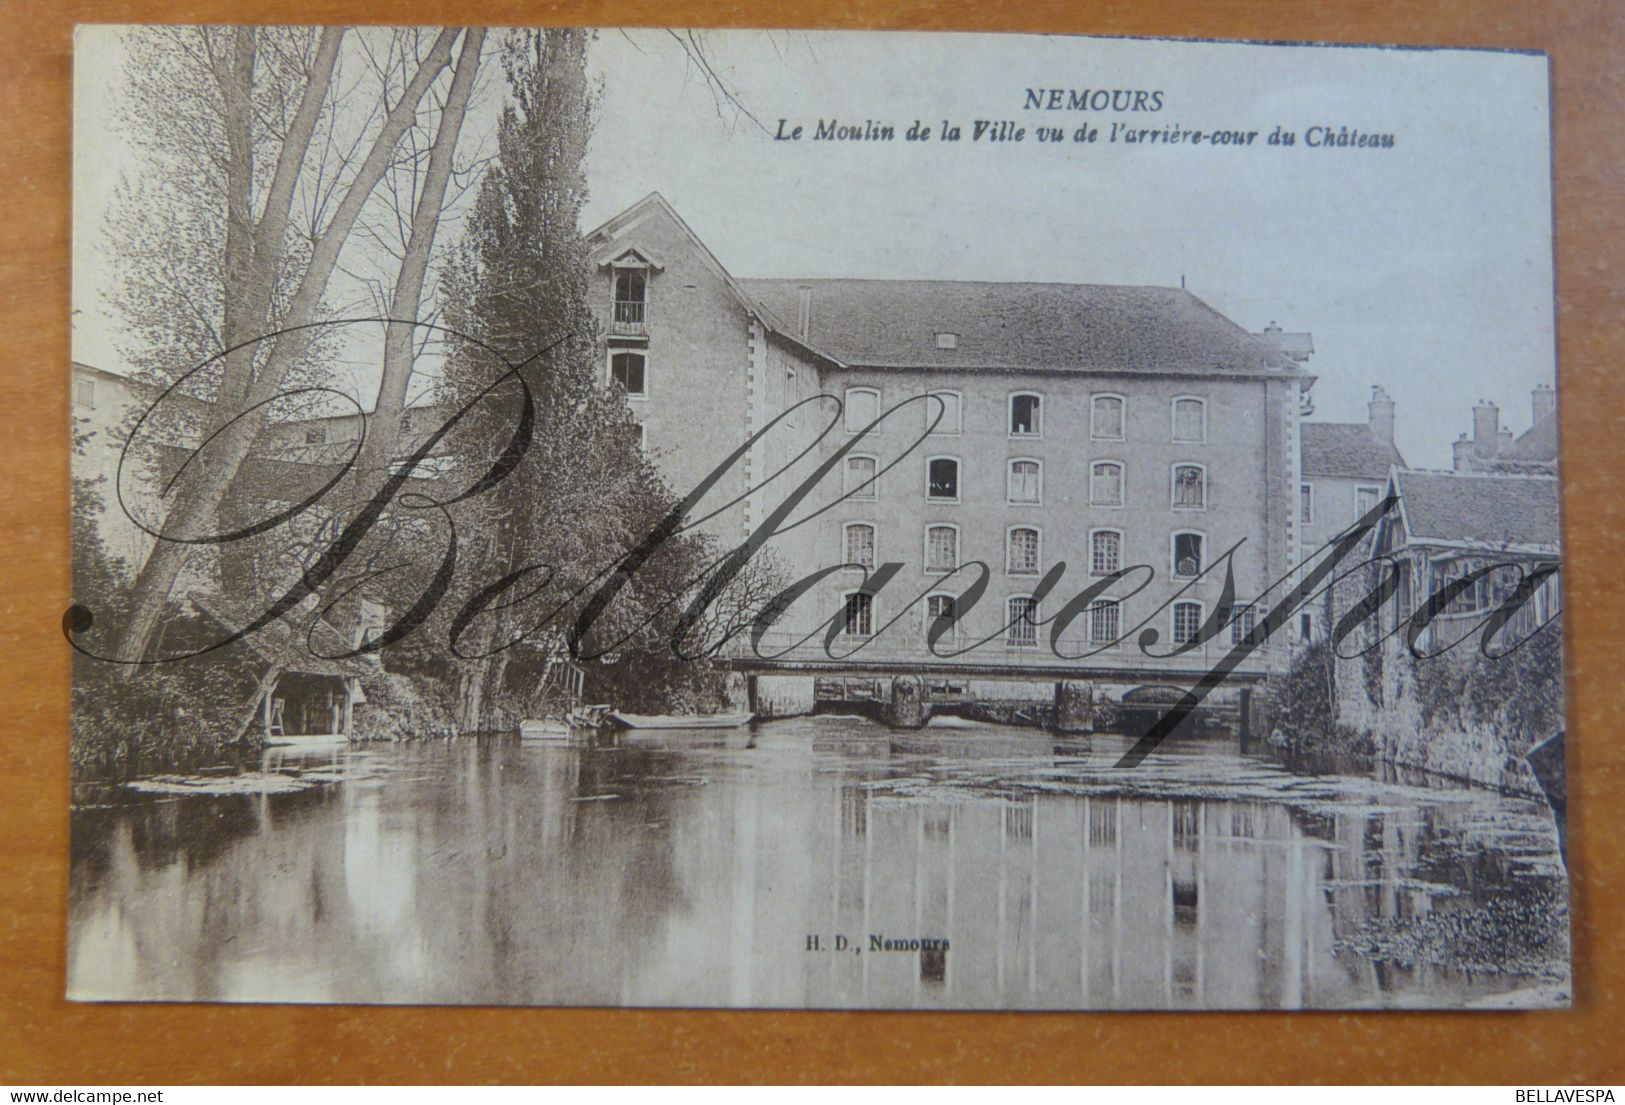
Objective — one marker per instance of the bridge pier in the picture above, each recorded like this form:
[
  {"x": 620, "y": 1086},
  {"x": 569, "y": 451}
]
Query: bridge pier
[
  {"x": 906, "y": 707},
  {"x": 1074, "y": 706}
]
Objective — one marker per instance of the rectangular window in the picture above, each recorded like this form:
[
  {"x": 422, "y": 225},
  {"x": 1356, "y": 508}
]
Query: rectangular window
[
  {"x": 1190, "y": 487},
  {"x": 860, "y": 478},
  {"x": 941, "y": 549},
  {"x": 1105, "y": 618},
  {"x": 1187, "y": 555},
  {"x": 1025, "y": 416},
  {"x": 84, "y": 394},
  {"x": 1190, "y": 421},
  {"x": 862, "y": 408},
  {"x": 1023, "y": 484},
  {"x": 860, "y": 545},
  {"x": 316, "y": 435},
  {"x": 1022, "y": 622},
  {"x": 1187, "y": 621},
  {"x": 1105, "y": 553},
  {"x": 629, "y": 370},
  {"x": 1243, "y": 625},
  {"x": 860, "y": 614},
  {"x": 942, "y": 479},
  {"x": 1023, "y": 554},
  {"x": 1365, "y": 499},
  {"x": 949, "y": 409},
  {"x": 1106, "y": 418},
  {"x": 1106, "y": 484},
  {"x": 1306, "y": 503}
]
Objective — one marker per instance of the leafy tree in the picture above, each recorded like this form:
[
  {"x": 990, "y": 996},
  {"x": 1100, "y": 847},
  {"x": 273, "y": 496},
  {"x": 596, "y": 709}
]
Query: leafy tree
[{"x": 584, "y": 494}]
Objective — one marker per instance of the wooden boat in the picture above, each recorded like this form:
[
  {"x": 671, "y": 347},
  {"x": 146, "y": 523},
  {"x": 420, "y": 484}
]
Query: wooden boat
[
  {"x": 680, "y": 721},
  {"x": 306, "y": 739},
  {"x": 544, "y": 729}
]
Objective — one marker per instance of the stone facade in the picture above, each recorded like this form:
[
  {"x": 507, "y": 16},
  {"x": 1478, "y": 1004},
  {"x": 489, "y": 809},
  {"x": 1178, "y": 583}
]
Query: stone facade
[{"x": 714, "y": 359}]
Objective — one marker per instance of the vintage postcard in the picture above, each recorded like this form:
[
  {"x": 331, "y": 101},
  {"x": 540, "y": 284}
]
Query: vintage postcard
[{"x": 800, "y": 519}]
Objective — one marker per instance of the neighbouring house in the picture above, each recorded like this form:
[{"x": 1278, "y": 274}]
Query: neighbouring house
[
  {"x": 1459, "y": 704},
  {"x": 1345, "y": 466},
  {"x": 1494, "y": 448}
]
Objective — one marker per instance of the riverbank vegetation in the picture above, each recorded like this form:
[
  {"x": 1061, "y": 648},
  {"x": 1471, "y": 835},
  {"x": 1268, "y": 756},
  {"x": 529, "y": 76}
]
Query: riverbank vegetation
[
  {"x": 517, "y": 510},
  {"x": 1460, "y": 714}
]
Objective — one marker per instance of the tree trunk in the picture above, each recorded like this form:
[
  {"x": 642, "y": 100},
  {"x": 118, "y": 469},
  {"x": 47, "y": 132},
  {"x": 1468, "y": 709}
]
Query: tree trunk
[
  {"x": 200, "y": 500},
  {"x": 383, "y": 435}
]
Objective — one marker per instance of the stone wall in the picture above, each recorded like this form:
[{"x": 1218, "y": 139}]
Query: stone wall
[{"x": 1461, "y": 714}]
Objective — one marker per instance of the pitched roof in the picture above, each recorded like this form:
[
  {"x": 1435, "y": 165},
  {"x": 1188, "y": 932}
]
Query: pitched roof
[
  {"x": 1537, "y": 444},
  {"x": 1472, "y": 509},
  {"x": 1347, "y": 449},
  {"x": 281, "y": 643},
  {"x": 1044, "y": 327}
]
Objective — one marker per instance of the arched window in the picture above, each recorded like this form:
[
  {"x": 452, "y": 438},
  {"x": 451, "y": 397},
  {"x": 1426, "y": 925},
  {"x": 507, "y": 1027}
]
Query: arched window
[
  {"x": 1106, "y": 483},
  {"x": 942, "y": 479},
  {"x": 1026, "y": 415},
  {"x": 1021, "y": 557},
  {"x": 860, "y": 477},
  {"x": 941, "y": 548},
  {"x": 1244, "y": 625},
  {"x": 1025, "y": 483},
  {"x": 1187, "y": 555},
  {"x": 1190, "y": 419},
  {"x": 1105, "y": 552},
  {"x": 942, "y": 609},
  {"x": 629, "y": 369},
  {"x": 860, "y": 544},
  {"x": 1187, "y": 621},
  {"x": 1106, "y": 417},
  {"x": 1189, "y": 487},
  {"x": 860, "y": 614},
  {"x": 950, "y": 409},
  {"x": 862, "y": 408},
  {"x": 1021, "y": 623},
  {"x": 631, "y": 295}
]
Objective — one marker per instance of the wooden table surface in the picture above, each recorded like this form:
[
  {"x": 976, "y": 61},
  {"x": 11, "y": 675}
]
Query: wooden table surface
[{"x": 45, "y": 1040}]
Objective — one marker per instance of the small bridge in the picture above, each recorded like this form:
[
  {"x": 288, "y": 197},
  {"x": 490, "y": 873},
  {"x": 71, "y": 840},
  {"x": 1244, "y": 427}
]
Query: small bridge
[{"x": 1018, "y": 685}]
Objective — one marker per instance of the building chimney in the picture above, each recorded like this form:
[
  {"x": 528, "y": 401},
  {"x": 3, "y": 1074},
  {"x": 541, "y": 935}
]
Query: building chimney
[
  {"x": 1486, "y": 429},
  {"x": 804, "y": 317},
  {"x": 1544, "y": 401},
  {"x": 1381, "y": 413},
  {"x": 1461, "y": 453}
]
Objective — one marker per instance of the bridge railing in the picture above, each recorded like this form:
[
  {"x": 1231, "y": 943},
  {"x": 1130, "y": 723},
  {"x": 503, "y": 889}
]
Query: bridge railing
[{"x": 786, "y": 650}]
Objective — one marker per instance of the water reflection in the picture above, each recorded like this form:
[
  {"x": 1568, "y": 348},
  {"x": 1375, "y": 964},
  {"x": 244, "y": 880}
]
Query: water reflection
[{"x": 698, "y": 869}]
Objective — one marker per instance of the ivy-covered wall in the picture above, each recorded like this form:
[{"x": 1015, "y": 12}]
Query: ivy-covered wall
[{"x": 1460, "y": 714}]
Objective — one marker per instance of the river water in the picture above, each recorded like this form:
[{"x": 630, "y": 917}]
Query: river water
[{"x": 771, "y": 865}]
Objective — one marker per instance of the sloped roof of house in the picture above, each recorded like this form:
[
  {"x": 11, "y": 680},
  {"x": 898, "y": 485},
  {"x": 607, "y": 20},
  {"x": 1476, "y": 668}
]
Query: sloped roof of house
[
  {"x": 1537, "y": 444},
  {"x": 1347, "y": 449},
  {"x": 282, "y": 644},
  {"x": 1471, "y": 509},
  {"x": 1028, "y": 326}
]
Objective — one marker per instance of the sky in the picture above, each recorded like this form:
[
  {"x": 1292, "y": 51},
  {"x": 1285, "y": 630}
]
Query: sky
[{"x": 1425, "y": 267}]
